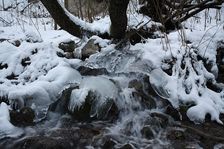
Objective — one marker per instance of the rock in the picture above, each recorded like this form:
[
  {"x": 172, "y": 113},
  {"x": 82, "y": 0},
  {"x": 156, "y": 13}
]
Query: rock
[
  {"x": 68, "y": 46},
  {"x": 43, "y": 142},
  {"x": 16, "y": 43},
  {"x": 127, "y": 146},
  {"x": 174, "y": 113},
  {"x": 60, "y": 138},
  {"x": 12, "y": 77},
  {"x": 3, "y": 39},
  {"x": 61, "y": 105},
  {"x": 147, "y": 132},
  {"x": 109, "y": 144},
  {"x": 4, "y": 98},
  {"x": 141, "y": 87},
  {"x": 86, "y": 71},
  {"x": 23, "y": 117},
  {"x": 59, "y": 54},
  {"x": 25, "y": 62},
  {"x": 159, "y": 119},
  {"x": 87, "y": 112},
  {"x": 175, "y": 134},
  {"x": 107, "y": 111},
  {"x": 3, "y": 66},
  {"x": 89, "y": 49},
  {"x": 136, "y": 84}
]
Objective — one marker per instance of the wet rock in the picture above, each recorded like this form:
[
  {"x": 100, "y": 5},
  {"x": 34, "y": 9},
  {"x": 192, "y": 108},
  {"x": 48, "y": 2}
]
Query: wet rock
[
  {"x": 61, "y": 105},
  {"x": 88, "y": 112},
  {"x": 136, "y": 84},
  {"x": 61, "y": 138},
  {"x": 23, "y": 117},
  {"x": 176, "y": 134},
  {"x": 180, "y": 113},
  {"x": 174, "y": 113},
  {"x": 147, "y": 132},
  {"x": 160, "y": 119},
  {"x": 86, "y": 71},
  {"x": 89, "y": 49},
  {"x": 127, "y": 146},
  {"x": 141, "y": 87},
  {"x": 109, "y": 144},
  {"x": 43, "y": 142}
]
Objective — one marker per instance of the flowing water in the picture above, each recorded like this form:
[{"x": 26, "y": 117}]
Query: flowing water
[{"x": 139, "y": 122}]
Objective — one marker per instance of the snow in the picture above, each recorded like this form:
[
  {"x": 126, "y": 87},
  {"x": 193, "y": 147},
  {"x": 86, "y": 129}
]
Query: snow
[
  {"x": 39, "y": 82},
  {"x": 6, "y": 128},
  {"x": 104, "y": 89}
]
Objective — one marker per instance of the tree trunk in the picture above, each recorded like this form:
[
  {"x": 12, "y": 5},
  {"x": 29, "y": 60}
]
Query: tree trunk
[
  {"x": 117, "y": 11},
  {"x": 118, "y": 17},
  {"x": 61, "y": 18}
]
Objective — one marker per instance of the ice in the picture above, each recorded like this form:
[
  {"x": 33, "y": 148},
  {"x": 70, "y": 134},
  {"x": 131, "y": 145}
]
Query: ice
[{"x": 101, "y": 87}]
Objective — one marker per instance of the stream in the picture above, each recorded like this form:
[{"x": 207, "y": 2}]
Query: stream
[{"x": 114, "y": 106}]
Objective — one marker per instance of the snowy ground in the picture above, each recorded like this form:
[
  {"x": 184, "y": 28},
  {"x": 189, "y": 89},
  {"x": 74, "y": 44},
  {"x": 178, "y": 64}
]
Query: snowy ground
[{"x": 33, "y": 75}]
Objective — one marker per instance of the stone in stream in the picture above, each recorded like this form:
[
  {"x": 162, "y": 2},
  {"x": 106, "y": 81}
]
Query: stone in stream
[
  {"x": 109, "y": 144},
  {"x": 87, "y": 111},
  {"x": 60, "y": 138},
  {"x": 127, "y": 146},
  {"x": 86, "y": 71},
  {"x": 23, "y": 117},
  {"x": 143, "y": 92},
  {"x": 147, "y": 132}
]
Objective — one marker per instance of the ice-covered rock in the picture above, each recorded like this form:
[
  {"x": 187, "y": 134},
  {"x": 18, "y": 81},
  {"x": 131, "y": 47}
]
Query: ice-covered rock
[
  {"x": 95, "y": 96},
  {"x": 6, "y": 128}
]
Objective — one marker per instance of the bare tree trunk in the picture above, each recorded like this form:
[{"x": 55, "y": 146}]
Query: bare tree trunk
[
  {"x": 61, "y": 18},
  {"x": 117, "y": 11},
  {"x": 118, "y": 17}
]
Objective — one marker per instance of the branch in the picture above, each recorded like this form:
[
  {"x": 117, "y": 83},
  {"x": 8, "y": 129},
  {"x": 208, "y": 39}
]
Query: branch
[
  {"x": 203, "y": 7},
  {"x": 68, "y": 22}
]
